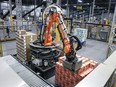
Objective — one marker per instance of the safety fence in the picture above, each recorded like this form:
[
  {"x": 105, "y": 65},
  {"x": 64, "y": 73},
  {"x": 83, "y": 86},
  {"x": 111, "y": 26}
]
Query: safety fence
[{"x": 95, "y": 31}]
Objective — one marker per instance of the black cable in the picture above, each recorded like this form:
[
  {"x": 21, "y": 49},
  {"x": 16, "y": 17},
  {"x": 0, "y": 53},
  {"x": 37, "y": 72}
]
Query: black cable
[{"x": 79, "y": 46}]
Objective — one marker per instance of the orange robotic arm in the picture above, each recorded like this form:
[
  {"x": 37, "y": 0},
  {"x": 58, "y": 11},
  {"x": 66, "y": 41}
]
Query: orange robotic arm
[
  {"x": 51, "y": 15},
  {"x": 56, "y": 18}
]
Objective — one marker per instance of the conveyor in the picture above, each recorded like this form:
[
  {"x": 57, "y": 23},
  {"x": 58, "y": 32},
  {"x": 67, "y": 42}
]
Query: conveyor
[
  {"x": 28, "y": 76},
  {"x": 8, "y": 77}
]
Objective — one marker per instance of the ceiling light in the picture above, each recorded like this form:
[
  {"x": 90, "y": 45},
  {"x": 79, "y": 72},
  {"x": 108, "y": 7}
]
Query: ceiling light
[{"x": 79, "y": 0}]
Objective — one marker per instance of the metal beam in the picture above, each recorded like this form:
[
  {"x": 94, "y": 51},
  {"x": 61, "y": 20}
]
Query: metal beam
[
  {"x": 32, "y": 10},
  {"x": 7, "y": 13},
  {"x": 88, "y": 4},
  {"x": 80, "y": 4}
]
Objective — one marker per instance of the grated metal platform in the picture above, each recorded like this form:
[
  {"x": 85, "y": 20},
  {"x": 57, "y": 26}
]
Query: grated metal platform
[{"x": 30, "y": 78}]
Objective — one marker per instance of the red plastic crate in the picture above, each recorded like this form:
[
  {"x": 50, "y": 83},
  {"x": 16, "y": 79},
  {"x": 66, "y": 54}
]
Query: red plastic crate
[{"x": 65, "y": 78}]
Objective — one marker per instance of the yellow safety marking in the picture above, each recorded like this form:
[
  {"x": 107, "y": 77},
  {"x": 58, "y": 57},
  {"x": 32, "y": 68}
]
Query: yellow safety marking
[
  {"x": 114, "y": 84},
  {"x": 1, "y": 50},
  {"x": 11, "y": 24}
]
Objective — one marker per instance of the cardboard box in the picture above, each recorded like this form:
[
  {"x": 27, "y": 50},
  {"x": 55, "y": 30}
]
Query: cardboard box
[
  {"x": 22, "y": 44},
  {"x": 21, "y": 32}
]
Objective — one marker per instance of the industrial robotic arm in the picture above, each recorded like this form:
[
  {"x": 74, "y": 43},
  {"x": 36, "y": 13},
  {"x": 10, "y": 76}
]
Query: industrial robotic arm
[{"x": 51, "y": 15}]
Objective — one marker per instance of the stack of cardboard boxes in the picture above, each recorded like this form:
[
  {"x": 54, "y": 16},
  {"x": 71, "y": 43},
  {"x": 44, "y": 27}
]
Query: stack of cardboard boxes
[
  {"x": 66, "y": 78},
  {"x": 81, "y": 33},
  {"x": 23, "y": 40}
]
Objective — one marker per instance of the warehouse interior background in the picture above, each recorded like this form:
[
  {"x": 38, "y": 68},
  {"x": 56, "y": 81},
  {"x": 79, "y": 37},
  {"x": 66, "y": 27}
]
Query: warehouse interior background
[{"x": 22, "y": 23}]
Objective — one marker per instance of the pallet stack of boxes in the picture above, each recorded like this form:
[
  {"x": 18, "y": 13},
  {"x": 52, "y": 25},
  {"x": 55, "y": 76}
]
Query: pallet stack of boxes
[
  {"x": 23, "y": 40},
  {"x": 66, "y": 78},
  {"x": 81, "y": 33}
]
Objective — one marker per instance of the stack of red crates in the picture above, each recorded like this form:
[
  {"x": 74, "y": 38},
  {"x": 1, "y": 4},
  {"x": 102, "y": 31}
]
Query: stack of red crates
[{"x": 66, "y": 78}]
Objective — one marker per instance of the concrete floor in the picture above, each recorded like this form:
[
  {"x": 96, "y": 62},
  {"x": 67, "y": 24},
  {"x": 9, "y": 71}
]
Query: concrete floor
[
  {"x": 95, "y": 50},
  {"x": 9, "y": 47},
  {"x": 11, "y": 34}
]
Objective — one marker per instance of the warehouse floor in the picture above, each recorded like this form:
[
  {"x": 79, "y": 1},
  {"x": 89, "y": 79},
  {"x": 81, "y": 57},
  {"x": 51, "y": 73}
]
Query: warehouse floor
[{"x": 95, "y": 50}]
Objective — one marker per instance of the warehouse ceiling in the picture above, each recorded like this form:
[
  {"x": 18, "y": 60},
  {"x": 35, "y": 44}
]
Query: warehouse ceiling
[
  {"x": 83, "y": 3},
  {"x": 102, "y": 3},
  {"x": 99, "y": 4},
  {"x": 76, "y": 6}
]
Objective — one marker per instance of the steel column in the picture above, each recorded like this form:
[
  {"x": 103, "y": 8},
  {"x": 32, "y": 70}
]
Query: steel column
[
  {"x": 34, "y": 10},
  {"x": 109, "y": 9},
  {"x": 93, "y": 8},
  {"x": 112, "y": 34},
  {"x": 67, "y": 9},
  {"x": 19, "y": 13},
  {"x": 102, "y": 14},
  {"x": 11, "y": 17},
  {"x": 89, "y": 14},
  {"x": 10, "y": 6},
  {"x": 59, "y": 2}
]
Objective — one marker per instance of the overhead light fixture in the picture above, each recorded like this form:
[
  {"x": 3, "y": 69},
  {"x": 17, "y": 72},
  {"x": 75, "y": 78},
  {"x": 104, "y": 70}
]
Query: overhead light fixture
[{"x": 79, "y": 0}]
